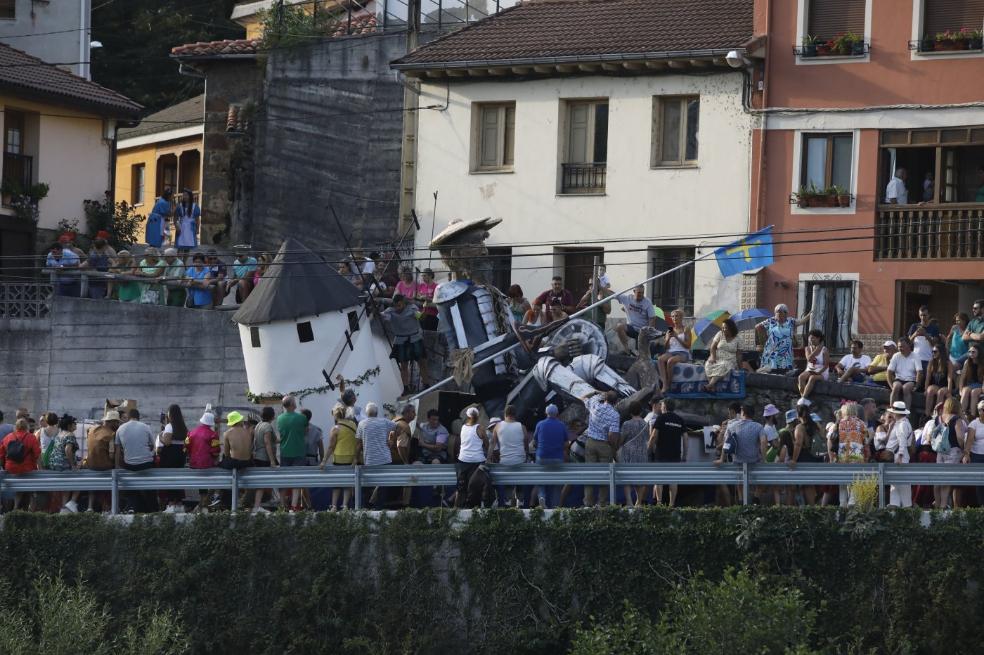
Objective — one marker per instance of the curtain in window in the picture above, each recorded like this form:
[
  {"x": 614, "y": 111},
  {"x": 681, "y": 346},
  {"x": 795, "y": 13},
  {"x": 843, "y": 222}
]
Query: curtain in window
[{"x": 844, "y": 307}]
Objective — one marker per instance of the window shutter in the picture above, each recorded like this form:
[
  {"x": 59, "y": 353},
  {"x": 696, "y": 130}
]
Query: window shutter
[
  {"x": 943, "y": 15},
  {"x": 578, "y": 142},
  {"x": 830, "y": 18},
  {"x": 489, "y": 156},
  {"x": 508, "y": 148}
]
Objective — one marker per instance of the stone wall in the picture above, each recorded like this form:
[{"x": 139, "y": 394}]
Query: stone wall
[
  {"x": 330, "y": 135},
  {"x": 85, "y": 351}
]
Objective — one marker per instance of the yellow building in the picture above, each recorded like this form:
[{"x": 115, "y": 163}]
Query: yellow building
[
  {"x": 250, "y": 14},
  {"x": 58, "y": 130},
  {"x": 164, "y": 150}
]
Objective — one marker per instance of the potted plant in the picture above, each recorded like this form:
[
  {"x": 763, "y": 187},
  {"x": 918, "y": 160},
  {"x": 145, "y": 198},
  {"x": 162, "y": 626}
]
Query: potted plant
[
  {"x": 847, "y": 44},
  {"x": 928, "y": 44},
  {"x": 824, "y": 48},
  {"x": 809, "y": 46},
  {"x": 806, "y": 197},
  {"x": 828, "y": 197},
  {"x": 976, "y": 39},
  {"x": 843, "y": 196},
  {"x": 953, "y": 40}
]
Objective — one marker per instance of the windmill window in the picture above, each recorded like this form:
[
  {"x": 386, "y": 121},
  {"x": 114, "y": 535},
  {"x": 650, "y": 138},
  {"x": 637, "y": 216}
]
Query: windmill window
[
  {"x": 304, "y": 332},
  {"x": 254, "y": 337}
]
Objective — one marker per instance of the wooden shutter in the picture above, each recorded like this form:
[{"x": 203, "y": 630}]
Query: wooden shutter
[
  {"x": 489, "y": 155},
  {"x": 943, "y": 15},
  {"x": 578, "y": 116},
  {"x": 830, "y": 18}
]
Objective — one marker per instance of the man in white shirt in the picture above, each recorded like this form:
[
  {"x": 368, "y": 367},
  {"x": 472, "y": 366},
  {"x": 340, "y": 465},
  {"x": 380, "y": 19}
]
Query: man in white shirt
[
  {"x": 854, "y": 366},
  {"x": 639, "y": 313},
  {"x": 896, "y": 193},
  {"x": 899, "y": 441},
  {"x": 904, "y": 372}
]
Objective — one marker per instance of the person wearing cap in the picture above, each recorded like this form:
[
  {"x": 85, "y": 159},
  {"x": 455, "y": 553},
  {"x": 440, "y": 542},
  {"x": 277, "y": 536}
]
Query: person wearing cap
[
  {"x": 237, "y": 443},
  {"x": 135, "y": 452},
  {"x": 174, "y": 271},
  {"x": 154, "y": 230},
  {"x": 905, "y": 372},
  {"x": 773, "y": 451},
  {"x": 100, "y": 258},
  {"x": 899, "y": 441},
  {"x": 549, "y": 446},
  {"x": 186, "y": 221},
  {"x": 203, "y": 450},
  {"x": 878, "y": 369},
  {"x": 473, "y": 443},
  {"x": 60, "y": 257}
]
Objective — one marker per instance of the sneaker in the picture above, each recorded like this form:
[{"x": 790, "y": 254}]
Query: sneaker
[
  {"x": 179, "y": 509},
  {"x": 261, "y": 510},
  {"x": 72, "y": 506},
  {"x": 170, "y": 509},
  {"x": 216, "y": 501}
]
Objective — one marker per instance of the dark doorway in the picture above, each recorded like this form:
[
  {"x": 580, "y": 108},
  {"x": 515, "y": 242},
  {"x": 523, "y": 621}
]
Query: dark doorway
[{"x": 578, "y": 264}]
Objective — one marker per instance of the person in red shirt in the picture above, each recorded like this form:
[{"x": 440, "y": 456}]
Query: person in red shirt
[
  {"x": 31, "y": 454},
  {"x": 203, "y": 450}
]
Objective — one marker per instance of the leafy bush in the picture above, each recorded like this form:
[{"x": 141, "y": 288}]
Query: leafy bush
[{"x": 120, "y": 220}]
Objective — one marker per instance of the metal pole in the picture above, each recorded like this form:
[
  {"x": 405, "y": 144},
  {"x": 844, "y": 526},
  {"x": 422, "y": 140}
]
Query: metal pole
[
  {"x": 611, "y": 483},
  {"x": 115, "y": 494},
  {"x": 745, "y": 500},
  {"x": 582, "y": 312},
  {"x": 357, "y": 495},
  {"x": 881, "y": 485},
  {"x": 84, "y": 286},
  {"x": 234, "y": 503}
]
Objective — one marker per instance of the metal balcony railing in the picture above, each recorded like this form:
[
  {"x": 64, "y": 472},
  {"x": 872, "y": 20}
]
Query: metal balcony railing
[
  {"x": 610, "y": 475},
  {"x": 951, "y": 231},
  {"x": 18, "y": 171},
  {"x": 584, "y": 178}
]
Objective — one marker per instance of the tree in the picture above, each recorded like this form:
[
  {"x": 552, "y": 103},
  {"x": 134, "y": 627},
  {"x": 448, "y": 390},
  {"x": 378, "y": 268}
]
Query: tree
[{"x": 137, "y": 37}]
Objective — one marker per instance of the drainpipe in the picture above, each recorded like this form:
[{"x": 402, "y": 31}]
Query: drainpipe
[{"x": 112, "y": 164}]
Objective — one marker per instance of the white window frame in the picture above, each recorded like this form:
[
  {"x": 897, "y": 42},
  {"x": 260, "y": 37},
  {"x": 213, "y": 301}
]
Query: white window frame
[
  {"x": 478, "y": 109},
  {"x": 802, "y": 20},
  {"x": 657, "y": 140},
  {"x": 918, "y": 14},
  {"x": 798, "y": 169},
  {"x": 802, "y": 300},
  {"x": 142, "y": 168}
]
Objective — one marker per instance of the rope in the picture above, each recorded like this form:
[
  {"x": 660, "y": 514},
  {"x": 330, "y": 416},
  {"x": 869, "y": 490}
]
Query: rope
[{"x": 461, "y": 366}]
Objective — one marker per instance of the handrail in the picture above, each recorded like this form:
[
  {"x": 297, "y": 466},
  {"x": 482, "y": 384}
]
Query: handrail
[{"x": 611, "y": 475}]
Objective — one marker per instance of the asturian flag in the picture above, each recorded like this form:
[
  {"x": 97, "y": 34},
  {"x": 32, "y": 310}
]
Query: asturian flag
[{"x": 752, "y": 251}]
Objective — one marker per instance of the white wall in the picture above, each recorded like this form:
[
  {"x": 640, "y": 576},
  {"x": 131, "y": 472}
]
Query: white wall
[
  {"x": 61, "y": 28},
  {"x": 651, "y": 204},
  {"x": 73, "y": 159}
]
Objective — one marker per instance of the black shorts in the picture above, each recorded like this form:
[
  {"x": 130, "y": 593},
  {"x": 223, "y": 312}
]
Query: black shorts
[
  {"x": 260, "y": 463},
  {"x": 408, "y": 352},
  {"x": 229, "y": 463},
  {"x": 630, "y": 331}
]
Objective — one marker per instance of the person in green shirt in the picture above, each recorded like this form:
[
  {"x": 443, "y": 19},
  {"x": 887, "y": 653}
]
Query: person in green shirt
[
  {"x": 980, "y": 190},
  {"x": 292, "y": 427}
]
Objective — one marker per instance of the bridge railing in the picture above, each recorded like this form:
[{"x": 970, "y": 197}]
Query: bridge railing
[{"x": 613, "y": 475}]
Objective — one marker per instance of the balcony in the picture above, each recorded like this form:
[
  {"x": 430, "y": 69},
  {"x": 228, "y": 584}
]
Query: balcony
[
  {"x": 584, "y": 178},
  {"x": 18, "y": 172},
  {"x": 936, "y": 232}
]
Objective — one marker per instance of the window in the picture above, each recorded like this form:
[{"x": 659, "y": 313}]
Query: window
[
  {"x": 827, "y": 160},
  {"x": 254, "y": 337},
  {"x": 586, "y": 147},
  {"x": 942, "y": 164},
  {"x": 828, "y": 19},
  {"x": 675, "y": 124},
  {"x": 13, "y": 138},
  {"x": 951, "y": 15},
  {"x": 495, "y": 135},
  {"x": 137, "y": 177},
  {"x": 353, "y": 321},
  {"x": 832, "y": 304},
  {"x": 304, "y": 332},
  {"x": 8, "y": 9},
  {"x": 675, "y": 290}
]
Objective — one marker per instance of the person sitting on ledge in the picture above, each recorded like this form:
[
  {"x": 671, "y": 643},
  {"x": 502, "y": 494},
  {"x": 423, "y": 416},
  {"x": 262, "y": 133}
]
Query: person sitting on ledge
[{"x": 853, "y": 367}]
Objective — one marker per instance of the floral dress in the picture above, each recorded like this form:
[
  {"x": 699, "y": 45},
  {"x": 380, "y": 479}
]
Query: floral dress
[
  {"x": 636, "y": 433},
  {"x": 727, "y": 357},
  {"x": 778, "y": 350},
  {"x": 57, "y": 461}
]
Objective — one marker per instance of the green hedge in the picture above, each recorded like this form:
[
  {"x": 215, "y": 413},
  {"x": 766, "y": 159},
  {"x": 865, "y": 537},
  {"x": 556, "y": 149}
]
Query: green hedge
[{"x": 429, "y": 582}]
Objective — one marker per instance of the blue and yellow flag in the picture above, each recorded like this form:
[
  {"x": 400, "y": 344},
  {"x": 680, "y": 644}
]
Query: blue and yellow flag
[{"x": 752, "y": 251}]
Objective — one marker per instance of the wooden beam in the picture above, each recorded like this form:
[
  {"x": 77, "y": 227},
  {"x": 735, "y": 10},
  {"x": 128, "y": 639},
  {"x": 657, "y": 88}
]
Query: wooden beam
[
  {"x": 611, "y": 67},
  {"x": 457, "y": 72},
  {"x": 633, "y": 65},
  {"x": 656, "y": 65},
  {"x": 566, "y": 68},
  {"x": 545, "y": 69},
  {"x": 498, "y": 72},
  {"x": 521, "y": 70},
  {"x": 435, "y": 73},
  {"x": 699, "y": 63},
  {"x": 674, "y": 63},
  {"x": 477, "y": 72},
  {"x": 588, "y": 68},
  {"x": 719, "y": 61}
]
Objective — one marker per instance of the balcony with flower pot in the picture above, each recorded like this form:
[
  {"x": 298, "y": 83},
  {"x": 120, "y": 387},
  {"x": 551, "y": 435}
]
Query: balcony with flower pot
[
  {"x": 846, "y": 45},
  {"x": 828, "y": 197},
  {"x": 965, "y": 40}
]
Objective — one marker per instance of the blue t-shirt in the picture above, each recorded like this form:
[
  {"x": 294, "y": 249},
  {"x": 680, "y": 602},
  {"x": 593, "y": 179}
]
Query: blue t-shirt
[
  {"x": 199, "y": 297},
  {"x": 550, "y": 435}
]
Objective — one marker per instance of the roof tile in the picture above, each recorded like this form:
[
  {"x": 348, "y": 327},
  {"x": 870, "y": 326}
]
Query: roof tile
[
  {"x": 545, "y": 29},
  {"x": 218, "y": 48}
]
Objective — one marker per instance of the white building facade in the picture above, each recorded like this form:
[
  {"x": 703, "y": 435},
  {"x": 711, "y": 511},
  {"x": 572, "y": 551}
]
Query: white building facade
[{"x": 641, "y": 169}]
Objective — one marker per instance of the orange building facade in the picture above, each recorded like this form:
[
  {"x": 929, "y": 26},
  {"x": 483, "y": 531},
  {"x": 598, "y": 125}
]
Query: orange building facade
[{"x": 849, "y": 92}]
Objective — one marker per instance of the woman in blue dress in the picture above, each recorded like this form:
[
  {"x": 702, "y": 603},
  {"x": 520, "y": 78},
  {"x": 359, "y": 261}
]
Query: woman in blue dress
[
  {"x": 777, "y": 355},
  {"x": 189, "y": 214},
  {"x": 155, "y": 222}
]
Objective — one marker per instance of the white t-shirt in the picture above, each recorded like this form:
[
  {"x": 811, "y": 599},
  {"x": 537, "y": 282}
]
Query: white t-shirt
[
  {"x": 849, "y": 361},
  {"x": 900, "y": 438},
  {"x": 637, "y": 312},
  {"x": 922, "y": 348},
  {"x": 896, "y": 191},
  {"x": 905, "y": 368},
  {"x": 978, "y": 427},
  {"x": 168, "y": 429},
  {"x": 604, "y": 282}
]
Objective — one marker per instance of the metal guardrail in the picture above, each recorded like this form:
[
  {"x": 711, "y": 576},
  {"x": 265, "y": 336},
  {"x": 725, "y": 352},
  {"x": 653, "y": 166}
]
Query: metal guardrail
[{"x": 612, "y": 475}]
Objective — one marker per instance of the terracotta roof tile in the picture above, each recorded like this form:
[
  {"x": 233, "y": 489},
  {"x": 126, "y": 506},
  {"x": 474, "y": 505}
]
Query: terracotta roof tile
[
  {"x": 545, "y": 29},
  {"x": 20, "y": 72},
  {"x": 218, "y": 48}
]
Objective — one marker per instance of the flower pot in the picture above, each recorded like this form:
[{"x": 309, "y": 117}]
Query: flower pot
[
  {"x": 823, "y": 49},
  {"x": 844, "y": 200},
  {"x": 976, "y": 44},
  {"x": 828, "y": 201},
  {"x": 927, "y": 45},
  {"x": 809, "y": 50},
  {"x": 857, "y": 49},
  {"x": 951, "y": 45}
]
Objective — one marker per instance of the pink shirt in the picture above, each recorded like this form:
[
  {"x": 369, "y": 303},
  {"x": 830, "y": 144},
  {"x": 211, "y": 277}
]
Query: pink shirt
[
  {"x": 203, "y": 447},
  {"x": 408, "y": 289},
  {"x": 426, "y": 290}
]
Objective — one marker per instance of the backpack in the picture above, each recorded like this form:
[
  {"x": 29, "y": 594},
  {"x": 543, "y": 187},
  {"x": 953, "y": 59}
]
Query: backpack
[
  {"x": 818, "y": 442},
  {"x": 940, "y": 438},
  {"x": 16, "y": 450}
]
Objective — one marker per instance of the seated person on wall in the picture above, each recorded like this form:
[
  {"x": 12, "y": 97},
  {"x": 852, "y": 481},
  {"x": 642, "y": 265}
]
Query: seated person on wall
[
  {"x": 853, "y": 367},
  {"x": 432, "y": 440},
  {"x": 878, "y": 369},
  {"x": 639, "y": 313},
  {"x": 905, "y": 373}
]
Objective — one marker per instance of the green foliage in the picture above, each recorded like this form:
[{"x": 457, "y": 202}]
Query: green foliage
[
  {"x": 120, "y": 220},
  {"x": 806, "y": 579},
  {"x": 137, "y": 37},
  {"x": 25, "y": 201},
  {"x": 286, "y": 25}
]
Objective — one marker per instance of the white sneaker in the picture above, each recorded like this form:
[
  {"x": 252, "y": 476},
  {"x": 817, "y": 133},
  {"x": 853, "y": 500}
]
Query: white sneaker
[
  {"x": 261, "y": 510},
  {"x": 179, "y": 509},
  {"x": 170, "y": 509},
  {"x": 71, "y": 507}
]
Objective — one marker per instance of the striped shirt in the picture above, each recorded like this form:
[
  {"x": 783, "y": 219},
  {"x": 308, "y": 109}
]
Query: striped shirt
[
  {"x": 743, "y": 441},
  {"x": 602, "y": 419},
  {"x": 374, "y": 432}
]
